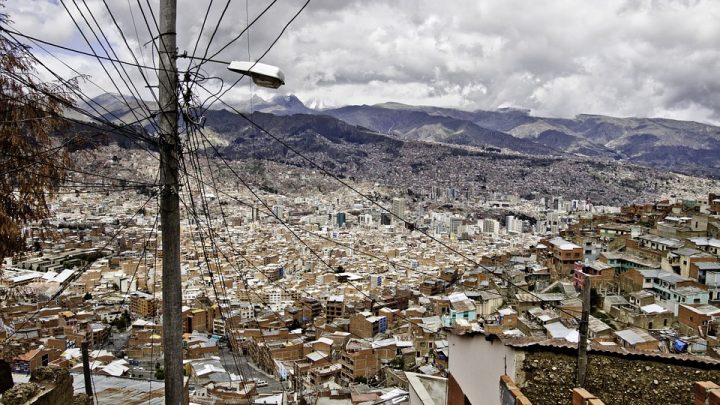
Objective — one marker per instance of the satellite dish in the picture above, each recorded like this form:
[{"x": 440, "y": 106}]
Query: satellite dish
[{"x": 263, "y": 75}]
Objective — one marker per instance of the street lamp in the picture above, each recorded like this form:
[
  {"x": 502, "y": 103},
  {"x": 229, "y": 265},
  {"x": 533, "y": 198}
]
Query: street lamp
[{"x": 263, "y": 75}]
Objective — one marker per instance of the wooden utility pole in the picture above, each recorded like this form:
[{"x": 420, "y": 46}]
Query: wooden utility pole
[
  {"x": 170, "y": 204},
  {"x": 86, "y": 368},
  {"x": 582, "y": 344}
]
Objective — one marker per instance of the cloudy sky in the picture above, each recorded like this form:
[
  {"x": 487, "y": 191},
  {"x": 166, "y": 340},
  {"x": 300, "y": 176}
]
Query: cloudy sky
[{"x": 555, "y": 57}]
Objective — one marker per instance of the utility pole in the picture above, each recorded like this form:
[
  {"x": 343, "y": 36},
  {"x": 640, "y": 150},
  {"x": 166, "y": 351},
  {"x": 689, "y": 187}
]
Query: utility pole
[
  {"x": 86, "y": 368},
  {"x": 582, "y": 344},
  {"x": 170, "y": 204}
]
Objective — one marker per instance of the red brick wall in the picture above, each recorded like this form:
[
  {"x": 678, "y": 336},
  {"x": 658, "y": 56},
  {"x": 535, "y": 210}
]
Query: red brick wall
[
  {"x": 706, "y": 393},
  {"x": 690, "y": 319}
]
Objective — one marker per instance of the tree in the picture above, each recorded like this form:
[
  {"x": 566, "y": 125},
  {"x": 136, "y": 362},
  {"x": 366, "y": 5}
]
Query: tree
[
  {"x": 33, "y": 167},
  {"x": 120, "y": 323}
]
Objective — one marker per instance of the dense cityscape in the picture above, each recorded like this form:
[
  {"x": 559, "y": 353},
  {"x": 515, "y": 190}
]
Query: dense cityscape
[
  {"x": 359, "y": 202},
  {"x": 312, "y": 297}
]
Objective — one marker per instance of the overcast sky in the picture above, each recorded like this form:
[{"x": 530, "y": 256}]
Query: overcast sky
[{"x": 555, "y": 57}]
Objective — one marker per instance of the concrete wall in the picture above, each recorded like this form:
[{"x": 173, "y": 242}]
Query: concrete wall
[{"x": 476, "y": 365}]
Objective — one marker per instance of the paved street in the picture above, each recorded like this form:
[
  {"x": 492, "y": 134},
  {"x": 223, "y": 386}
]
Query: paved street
[{"x": 249, "y": 370}]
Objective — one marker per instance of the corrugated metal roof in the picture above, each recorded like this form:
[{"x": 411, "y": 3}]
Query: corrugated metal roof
[
  {"x": 530, "y": 342},
  {"x": 126, "y": 391}
]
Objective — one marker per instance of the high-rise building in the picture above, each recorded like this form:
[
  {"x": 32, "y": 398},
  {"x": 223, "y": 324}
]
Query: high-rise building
[
  {"x": 434, "y": 193},
  {"x": 340, "y": 219},
  {"x": 455, "y": 223},
  {"x": 491, "y": 226},
  {"x": 278, "y": 210},
  {"x": 398, "y": 207},
  {"x": 513, "y": 225}
]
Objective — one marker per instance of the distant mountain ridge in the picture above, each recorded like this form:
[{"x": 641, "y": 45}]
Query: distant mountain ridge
[
  {"x": 682, "y": 146},
  {"x": 421, "y": 126},
  {"x": 348, "y": 150},
  {"x": 401, "y": 147}
]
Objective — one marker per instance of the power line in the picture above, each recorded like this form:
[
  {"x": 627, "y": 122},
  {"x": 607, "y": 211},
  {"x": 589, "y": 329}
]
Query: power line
[
  {"x": 102, "y": 65},
  {"x": 132, "y": 135},
  {"x": 76, "y": 91},
  {"x": 212, "y": 36},
  {"x": 206, "y": 59},
  {"x": 272, "y": 44},
  {"x": 65, "y": 48},
  {"x": 284, "y": 224},
  {"x": 205, "y": 253},
  {"x": 131, "y": 86},
  {"x": 290, "y": 229},
  {"x": 137, "y": 35},
  {"x": 122, "y": 35},
  {"x": 153, "y": 47},
  {"x": 132, "y": 278},
  {"x": 375, "y": 203}
]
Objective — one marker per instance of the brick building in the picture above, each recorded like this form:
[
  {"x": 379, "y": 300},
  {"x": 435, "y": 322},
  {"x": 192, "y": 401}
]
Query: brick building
[
  {"x": 366, "y": 326},
  {"x": 562, "y": 256},
  {"x": 359, "y": 361},
  {"x": 143, "y": 305},
  {"x": 334, "y": 307},
  {"x": 696, "y": 319}
]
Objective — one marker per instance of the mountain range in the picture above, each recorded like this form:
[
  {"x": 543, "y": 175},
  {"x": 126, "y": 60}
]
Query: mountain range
[
  {"x": 683, "y": 146},
  {"x": 601, "y": 159}
]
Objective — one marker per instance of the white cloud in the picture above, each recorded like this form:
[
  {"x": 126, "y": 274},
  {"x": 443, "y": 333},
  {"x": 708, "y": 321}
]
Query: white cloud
[{"x": 557, "y": 57}]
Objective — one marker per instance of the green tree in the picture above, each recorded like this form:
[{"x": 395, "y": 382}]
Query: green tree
[
  {"x": 120, "y": 323},
  {"x": 33, "y": 166}
]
